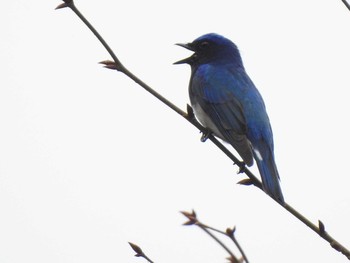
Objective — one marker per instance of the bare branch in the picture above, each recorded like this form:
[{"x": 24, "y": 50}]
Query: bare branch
[
  {"x": 190, "y": 117},
  {"x": 231, "y": 233},
  {"x": 346, "y": 3},
  {"x": 193, "y": 220}
]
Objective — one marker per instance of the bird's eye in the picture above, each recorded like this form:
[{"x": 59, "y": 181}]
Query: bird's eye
[{"x": 204, "y": 45}]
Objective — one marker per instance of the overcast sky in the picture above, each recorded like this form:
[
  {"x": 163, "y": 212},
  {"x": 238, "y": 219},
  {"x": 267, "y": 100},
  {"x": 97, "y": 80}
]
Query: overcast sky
[{"x": 90, "y": 161}]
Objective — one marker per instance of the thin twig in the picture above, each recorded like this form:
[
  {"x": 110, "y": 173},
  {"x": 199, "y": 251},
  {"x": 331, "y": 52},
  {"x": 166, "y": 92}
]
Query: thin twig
[
  {"x": 193, "y": 220},
  {"x": 346, "y": 3},
  {"x": 189, "y": 117},
  {"x": 231, "y": 234},
  {"x": 219, "y": 242}
]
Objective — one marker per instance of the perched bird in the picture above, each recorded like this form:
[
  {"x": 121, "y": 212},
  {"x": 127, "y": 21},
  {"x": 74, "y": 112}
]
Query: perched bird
[{"x": 227, "y": 103}]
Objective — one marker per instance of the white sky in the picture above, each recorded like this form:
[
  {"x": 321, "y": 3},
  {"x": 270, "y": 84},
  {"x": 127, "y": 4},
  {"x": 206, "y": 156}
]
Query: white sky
[{"x": 90, "y": 161}]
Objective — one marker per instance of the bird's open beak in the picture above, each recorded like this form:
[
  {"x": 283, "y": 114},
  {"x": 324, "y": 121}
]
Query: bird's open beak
[
  {"x": 188, "y": 46},
  {"x": 186, "y": 60}
]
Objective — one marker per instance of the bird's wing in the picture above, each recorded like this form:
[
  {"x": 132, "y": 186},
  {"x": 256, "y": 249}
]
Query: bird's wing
[{"x": 216, "y": 97}]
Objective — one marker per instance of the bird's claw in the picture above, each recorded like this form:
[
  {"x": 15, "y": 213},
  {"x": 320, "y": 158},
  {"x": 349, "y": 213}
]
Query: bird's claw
[
  {"x": 241, "y": 166},
  {"x": 205, "y": 136}
]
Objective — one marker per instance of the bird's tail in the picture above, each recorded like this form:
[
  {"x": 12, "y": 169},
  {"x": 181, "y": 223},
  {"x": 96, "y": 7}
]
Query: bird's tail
[{"x": 269, "y": 175}]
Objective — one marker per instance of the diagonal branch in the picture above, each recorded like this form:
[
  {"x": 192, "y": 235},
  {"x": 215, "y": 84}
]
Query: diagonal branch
[
  {"x": 116, "y": 64},
  {"x": 346, "y": 3}
]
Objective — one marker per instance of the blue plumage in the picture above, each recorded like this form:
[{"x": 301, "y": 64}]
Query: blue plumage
[{"x": 227, "y": 103}]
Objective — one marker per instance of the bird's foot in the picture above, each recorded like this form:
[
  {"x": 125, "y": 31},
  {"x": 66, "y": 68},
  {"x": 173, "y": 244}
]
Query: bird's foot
[
  {"x": 241, "y": 166},
  {"x": 205, "y": 136}
]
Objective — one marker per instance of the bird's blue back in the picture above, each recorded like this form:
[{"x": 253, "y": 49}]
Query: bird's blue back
[{"x": 219, "y": 83}]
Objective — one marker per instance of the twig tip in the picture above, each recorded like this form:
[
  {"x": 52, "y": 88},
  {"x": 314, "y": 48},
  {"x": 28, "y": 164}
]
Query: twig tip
[
  {"x": 109, "y": 64},
  {"x": 191, "y": 216},
  {"x": 137, "y": 249},
  {"x": 67, "y": 3},
  {"x": 246, "y": 181},
  {"x": 231, "y": 231},
  {"x": 60, "y": 6}
]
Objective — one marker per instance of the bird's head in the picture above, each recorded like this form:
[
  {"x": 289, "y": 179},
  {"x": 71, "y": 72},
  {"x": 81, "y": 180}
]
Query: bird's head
[{"x": 211, "y": 48}]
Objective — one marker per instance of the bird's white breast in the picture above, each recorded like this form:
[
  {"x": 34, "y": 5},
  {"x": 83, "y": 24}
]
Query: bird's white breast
[{"x": 206, "y": 121}]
